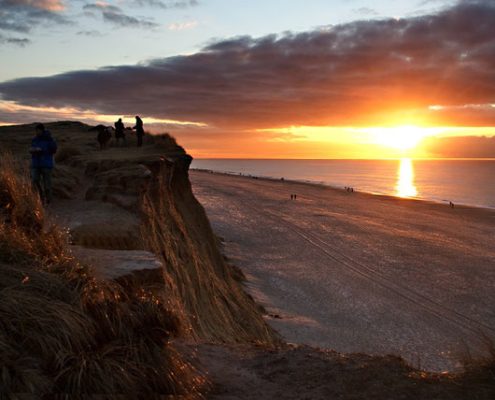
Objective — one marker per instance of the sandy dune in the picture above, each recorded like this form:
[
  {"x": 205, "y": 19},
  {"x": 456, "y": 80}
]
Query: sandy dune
[{"x": 360, "y": 273}]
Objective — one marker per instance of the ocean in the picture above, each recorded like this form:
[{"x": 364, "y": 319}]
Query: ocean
[{"x": 467, "y": 182}]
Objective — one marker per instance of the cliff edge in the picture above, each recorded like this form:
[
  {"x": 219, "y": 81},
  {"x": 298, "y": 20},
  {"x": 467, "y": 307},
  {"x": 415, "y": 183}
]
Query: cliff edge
[{"x": 139, "y": 201}]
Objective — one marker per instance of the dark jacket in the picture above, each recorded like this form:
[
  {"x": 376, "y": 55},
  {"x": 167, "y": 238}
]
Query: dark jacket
[
  {"x": 44, "y": 157},
  {"x": 139, "y": 126},
  {"x": 119, "y": 129}
]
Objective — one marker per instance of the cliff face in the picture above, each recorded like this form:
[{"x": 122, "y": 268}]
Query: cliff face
[
  {"x": 150, "y": 186},
  {"x": 176, "y": 228},
  {"x": 200, "y": 285}
]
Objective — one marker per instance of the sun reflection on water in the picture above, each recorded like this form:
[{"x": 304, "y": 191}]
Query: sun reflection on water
[{"x": 405, "y": 179}]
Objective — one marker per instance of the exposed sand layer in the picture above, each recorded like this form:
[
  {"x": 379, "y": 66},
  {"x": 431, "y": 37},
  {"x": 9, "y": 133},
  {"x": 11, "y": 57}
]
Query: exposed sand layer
[
  {"x": 104, "y": 235},
  {"x": 360, "y": 273},
  {"x": 114, "y": 264}
]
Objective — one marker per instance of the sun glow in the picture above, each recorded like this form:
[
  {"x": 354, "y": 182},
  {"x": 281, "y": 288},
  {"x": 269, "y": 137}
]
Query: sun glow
[
  {"x": 401, "y": 137},
  {"x": 388, "y": 141}
]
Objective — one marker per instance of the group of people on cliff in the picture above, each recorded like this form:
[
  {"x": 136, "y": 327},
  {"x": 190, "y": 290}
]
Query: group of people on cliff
[
  {"x": 44, "y": 147},
  {"x": 105, "y": 133},
  {"x": 120, "y": 132}
]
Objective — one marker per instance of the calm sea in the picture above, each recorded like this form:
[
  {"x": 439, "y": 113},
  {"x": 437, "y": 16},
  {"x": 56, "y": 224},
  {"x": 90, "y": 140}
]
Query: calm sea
[{"x": 470, "y": 182}]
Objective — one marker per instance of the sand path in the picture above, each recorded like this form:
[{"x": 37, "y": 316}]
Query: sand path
[{"x": 360, "y": 273}]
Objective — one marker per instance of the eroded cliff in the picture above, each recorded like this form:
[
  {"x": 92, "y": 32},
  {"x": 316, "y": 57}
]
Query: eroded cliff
[{"x": 158, "y": 213}]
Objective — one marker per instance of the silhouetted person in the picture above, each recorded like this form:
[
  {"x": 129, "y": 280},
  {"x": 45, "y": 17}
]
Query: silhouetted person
[
  {"x": 43, "y": 147},
  {"x": 104, "y": 135},
  {"x": 139, "y": 131},
  {"x": 119, "y": 132},
  {"x": 292, "y": 197},
  {"x": 295, "y": 197},
  {"x": 451, "y": 204}
]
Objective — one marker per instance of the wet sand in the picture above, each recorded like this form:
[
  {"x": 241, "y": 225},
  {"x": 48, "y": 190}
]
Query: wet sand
[{"x": 356, "y": 272}]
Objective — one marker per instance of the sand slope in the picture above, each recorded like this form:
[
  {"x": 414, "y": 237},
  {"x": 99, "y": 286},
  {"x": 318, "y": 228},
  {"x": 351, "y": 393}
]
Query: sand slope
[{"x": 360, "y": 273}]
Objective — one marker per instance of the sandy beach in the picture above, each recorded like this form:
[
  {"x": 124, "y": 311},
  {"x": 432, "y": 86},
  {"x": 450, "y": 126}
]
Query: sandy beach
[{"x": 356, "y": 272}]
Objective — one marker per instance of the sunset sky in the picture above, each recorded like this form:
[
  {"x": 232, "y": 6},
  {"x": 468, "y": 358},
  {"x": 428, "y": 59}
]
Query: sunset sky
[{"x": 261, "y": 79}]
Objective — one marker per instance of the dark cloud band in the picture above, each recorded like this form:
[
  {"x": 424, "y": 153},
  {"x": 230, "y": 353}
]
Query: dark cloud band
[{"x": 361, "y": 73}]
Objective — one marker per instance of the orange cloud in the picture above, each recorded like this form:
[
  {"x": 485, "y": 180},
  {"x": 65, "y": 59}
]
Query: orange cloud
[{"x": 49, "y": 5}]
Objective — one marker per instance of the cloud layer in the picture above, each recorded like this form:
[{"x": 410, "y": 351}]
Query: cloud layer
[
  {"x": 361, "y": 73},
  {"x": 14, "y": 41},
  {"x": 48, "y": 5},
  {"x": 25, "y": 16},
  {"x": 116, "y": 16},
  {"x": 166, "y": 4},
  {"x": 22, "y": 15}
]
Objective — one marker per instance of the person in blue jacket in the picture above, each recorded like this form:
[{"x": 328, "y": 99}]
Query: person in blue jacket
[{"x": 43, "y": 147}]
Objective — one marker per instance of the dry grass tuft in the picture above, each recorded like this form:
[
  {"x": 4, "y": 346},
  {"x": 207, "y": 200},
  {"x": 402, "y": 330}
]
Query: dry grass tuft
[
  {"x": 62, "y": 332},
  {"x": 164, "y": 141},
  {"x": 480, "y": 372},
  {"x": 66, "y": 153},
  {"x": 17, "y": 203}
]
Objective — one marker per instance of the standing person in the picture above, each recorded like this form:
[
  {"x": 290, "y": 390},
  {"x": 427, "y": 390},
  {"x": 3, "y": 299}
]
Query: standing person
[
  {"x": 139, "y": 131},
  {"x": 119, "y": 132},
  {"x": 43, "y": 147},
  {"x": 103, "y": 136}
]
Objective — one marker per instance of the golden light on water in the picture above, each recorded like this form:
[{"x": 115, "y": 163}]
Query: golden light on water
[{"x": 405, "y": 179}]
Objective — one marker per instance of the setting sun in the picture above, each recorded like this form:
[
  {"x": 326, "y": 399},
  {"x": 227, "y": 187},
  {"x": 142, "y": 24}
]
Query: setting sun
[{"x": 401, "y": 137}]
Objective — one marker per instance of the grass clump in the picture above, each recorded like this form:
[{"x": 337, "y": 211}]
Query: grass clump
[
  {"x": 65, "y": 153},
  {"x": 479, "y": 372},
  {"x": 63, "y": 332},
  {"x": 163, "y": 141}
]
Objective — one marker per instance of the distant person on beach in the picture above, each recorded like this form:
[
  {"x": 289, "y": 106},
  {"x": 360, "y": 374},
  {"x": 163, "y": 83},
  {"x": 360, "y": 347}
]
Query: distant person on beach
[
  {"x": 139, "y": 131},
  {"x": 119, "y": 132},
  {"x": 43, "y": 147}
]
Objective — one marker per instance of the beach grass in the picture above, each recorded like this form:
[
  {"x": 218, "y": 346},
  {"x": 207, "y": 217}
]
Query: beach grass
[{"x": 63, "y": 332}]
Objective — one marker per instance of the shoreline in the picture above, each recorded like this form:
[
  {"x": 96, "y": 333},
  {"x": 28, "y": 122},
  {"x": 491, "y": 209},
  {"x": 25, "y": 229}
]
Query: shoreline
[{"x": 340, "y": 189}]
